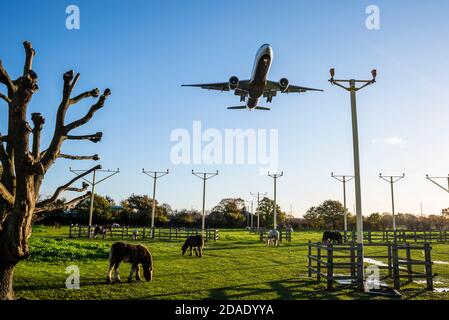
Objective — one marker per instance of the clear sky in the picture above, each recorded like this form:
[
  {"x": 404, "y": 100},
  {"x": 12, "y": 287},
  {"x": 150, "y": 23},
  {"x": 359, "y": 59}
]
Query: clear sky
[{"x": 144, "y": 51}]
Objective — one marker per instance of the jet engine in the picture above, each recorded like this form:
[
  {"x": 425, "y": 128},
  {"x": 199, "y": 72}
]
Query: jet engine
[
  {"x": 283, "y": 84},
  {"x": 233, "y": 83}
]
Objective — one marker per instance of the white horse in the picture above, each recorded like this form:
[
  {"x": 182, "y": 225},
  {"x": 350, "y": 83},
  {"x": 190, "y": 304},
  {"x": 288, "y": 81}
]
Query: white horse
[{"x": 273, "y": 238}]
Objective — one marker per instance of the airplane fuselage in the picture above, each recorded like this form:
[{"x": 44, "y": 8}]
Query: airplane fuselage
[{"x": 262, "y": 64}]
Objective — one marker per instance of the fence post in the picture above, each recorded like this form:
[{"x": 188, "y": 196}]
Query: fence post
[
  {"x": 396, "y": 280},
  {"x": 360, "y": 284},
  {"x": 70, "y": 231},
  {"x": 353, "y": 264},
  {"x": 409, "y": 258},
  {"x": 415, "y": 235},
  {"x": 309, "y": 256},
  {"x": 429, "y": 275},
  {"x": 390, "y": 261},
  {"x": 369, "y": 235},
  {"x": 330, "y": 267},
  {"x": 318, "y": 263}
]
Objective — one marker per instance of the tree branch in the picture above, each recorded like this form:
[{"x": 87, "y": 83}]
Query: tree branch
[
  {"x": 62, "y": 206},
  {"x": 5, "y": 79},
  {"x": 7, "y": 99},
  {"x": 94, "y": 108},
  {"x": 91, "y": 137},
  {"x": 66, "y": 186},
  {"x": 29, "y": 56},
  {"x": 6, "y": 195},
  {"x": 68, "y": 156},
  {"x": 93, "y": 93}
]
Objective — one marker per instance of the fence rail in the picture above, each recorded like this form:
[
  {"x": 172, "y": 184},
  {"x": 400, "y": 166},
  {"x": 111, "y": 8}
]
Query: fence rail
[
  {"x": 384, "y": 236},
  {"x": 143, "y": 233},
  {"x": 283, "y": 235}
]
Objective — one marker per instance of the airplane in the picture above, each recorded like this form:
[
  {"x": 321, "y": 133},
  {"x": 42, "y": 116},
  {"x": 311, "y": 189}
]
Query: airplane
[{"x": 258, "y": 86}]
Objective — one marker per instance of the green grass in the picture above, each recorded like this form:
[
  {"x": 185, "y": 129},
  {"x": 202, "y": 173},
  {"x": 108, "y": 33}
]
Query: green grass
[{"x": 237, "y": 266}]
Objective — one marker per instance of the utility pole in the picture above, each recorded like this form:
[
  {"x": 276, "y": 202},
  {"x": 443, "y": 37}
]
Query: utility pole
[
  {"x": 155, "y": 175},
  {"x": 258, "y": 194},
  {"x": 355, "y": 141},
  {"x": 204, "y": 176},
  {"x": 391, "y": 180},
  {"x": 434, "y": 180},
  {"x": 93, "y": 183},
  {"x": 252, "y": 214},
  {"x": 275, "y": 177},
  {"x": 344, "y": 179}
]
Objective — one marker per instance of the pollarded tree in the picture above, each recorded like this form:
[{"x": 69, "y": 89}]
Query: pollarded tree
[{"x": 23, "y": 170}]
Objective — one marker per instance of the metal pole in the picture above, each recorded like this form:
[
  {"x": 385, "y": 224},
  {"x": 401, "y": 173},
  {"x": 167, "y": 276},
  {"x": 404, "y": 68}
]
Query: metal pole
[
  {"x": 258, "y": 212},
  {"x": 274, "y": 215},
  {"x": 392, "y": 203},
  {"x": 252, "y": 214},
  {"x": 204, "y": 204},
  {"x": 344, "y": 204},
  {"x": 355, "y": 142},
  {"x": 91, "y": 208},
  {"x": 154, "y": 202}
]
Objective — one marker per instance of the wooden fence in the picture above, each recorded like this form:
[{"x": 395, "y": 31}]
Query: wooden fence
[
  {"x": 144, "y": 233},
  {"x": 283, "y": 235},
  {"x": 384, "y": 236},
  {"x": 327, "y": 262}
]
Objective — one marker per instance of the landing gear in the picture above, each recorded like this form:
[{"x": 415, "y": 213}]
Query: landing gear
[
  {"x": 269, "y": 99},
  {"x": 242, "y": 98}
]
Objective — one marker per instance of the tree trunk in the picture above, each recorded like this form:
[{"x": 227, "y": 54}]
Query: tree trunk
[{"x": 6, "y": 278}]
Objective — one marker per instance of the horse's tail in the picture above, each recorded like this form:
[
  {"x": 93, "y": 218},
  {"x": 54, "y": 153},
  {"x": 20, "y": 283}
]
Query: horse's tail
[{"x": 111, "y": 254}]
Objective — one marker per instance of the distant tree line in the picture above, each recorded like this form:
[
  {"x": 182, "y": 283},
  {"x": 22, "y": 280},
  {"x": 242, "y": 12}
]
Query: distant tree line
[
  {"x": 136, "y": 211},
  {"x": 232, "y": 213}
]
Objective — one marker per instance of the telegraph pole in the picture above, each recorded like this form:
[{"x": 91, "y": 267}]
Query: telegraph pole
[
  {"x": 275, "y": 177},
  {"x": 391, "y": 180},
  {"x": 155, "y": 175},
  {"x": 344, "y": 179},
  {"x": 258, "y": 194},
  {"x": 204, "y": 176},
  {"x": 93, "y": 183},
  {"x": 352, "y": 88}
]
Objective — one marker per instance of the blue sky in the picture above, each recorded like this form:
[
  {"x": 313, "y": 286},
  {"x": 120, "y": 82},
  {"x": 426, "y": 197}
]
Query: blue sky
[{"x": 145, "y": 50}]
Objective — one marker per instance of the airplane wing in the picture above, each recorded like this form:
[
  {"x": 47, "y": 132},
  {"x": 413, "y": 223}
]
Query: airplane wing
[
  {"x": 220, "y": 86},
  {"x": 274, "y": 86}
]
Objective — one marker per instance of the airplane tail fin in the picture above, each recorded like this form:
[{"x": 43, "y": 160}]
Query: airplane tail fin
[{"x": 237, "y": 107}]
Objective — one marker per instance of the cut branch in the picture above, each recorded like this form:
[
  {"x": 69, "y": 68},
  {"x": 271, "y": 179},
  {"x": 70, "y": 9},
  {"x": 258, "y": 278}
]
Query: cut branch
[
  {"x": 94, "y": 108},
  {"x": 68, "y": 156},
  {"x": 5, "y": 79},
  {"x": 65, "y": 187},
  {"x": 6, "y": 195},
  {"x": 29, "y": 56},
  {"x": 63, "y": 206},
  {"x": 8, "y": 100},
  {"x": 91, "y": 137},
  {"x": 93, "y": 93}
]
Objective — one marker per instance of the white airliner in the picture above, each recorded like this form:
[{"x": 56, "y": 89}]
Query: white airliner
[{"x": 258, "y": 86}]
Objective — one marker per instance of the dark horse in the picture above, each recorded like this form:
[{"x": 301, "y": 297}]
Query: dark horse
[
  {"x": 134, "y": 254},
  {"x": 195, "y": 242},
  {"x": 332, "y": 236}
]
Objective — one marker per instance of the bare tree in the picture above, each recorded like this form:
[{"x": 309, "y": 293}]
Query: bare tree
[{"x": 23, "y": 170}]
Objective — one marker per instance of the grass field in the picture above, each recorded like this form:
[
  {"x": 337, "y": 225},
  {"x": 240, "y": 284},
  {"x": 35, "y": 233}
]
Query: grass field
[{"x": 237, "y": 266}]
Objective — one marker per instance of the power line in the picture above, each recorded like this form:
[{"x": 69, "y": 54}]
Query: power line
[{"x": 258, "y": 194}]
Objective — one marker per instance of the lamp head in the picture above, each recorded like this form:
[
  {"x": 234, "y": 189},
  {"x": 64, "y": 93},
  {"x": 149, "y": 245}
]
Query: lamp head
[{"x": 374, "y": 73}]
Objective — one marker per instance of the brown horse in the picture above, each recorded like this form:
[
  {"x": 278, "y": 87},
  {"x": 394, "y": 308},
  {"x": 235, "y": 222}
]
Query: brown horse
[
  {"x": 194, "y": 242},
  {"x": 134, "y": 254}
]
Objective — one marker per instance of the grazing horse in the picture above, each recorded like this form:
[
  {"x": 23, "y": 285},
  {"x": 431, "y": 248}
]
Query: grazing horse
[
  {"x": 273, "y": 238},
  {"x": 332, "y": 236},
  {"x": 134, "y": 254},
  {"x": 101, "y": 231},
  {"x": 194, "y": 242}
]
